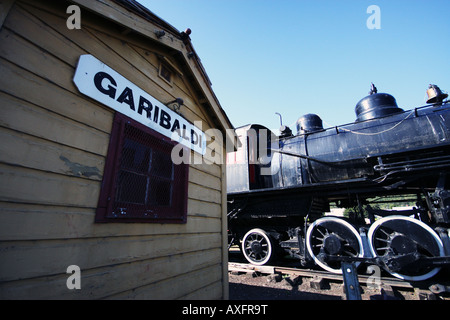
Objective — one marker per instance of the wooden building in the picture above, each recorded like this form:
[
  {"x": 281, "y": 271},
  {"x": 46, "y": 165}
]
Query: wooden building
[{"x": 91, "y": 205}]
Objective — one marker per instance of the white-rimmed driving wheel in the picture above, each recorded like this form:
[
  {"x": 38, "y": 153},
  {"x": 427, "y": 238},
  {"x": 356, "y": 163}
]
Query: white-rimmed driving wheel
[
  {"x": 257, "y": 247},
  {"x": 333, "y": 237},
  {"x": 399, "y": 236}
]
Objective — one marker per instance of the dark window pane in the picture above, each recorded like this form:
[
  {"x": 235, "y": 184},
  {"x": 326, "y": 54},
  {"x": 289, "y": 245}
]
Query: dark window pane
[
  {"x": 131, "y": 188},
  {"x": 160, "y": 192},
  {"x": 135, "y": 156},
  {"x": 162, "y": 165}
]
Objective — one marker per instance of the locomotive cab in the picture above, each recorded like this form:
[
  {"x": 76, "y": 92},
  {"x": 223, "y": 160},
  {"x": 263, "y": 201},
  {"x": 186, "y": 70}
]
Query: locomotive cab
[{"x": 249, "y": 168}]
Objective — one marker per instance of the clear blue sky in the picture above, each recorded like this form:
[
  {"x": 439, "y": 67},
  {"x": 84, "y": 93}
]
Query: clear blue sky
[{"x": 302, "y": 56}]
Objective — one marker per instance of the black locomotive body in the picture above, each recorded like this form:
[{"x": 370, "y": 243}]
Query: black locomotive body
[{"x": 279, "y": 188}]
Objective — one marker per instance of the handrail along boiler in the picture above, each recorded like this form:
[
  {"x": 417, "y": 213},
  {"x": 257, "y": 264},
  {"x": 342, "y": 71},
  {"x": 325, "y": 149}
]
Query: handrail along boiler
[{"x": 280, "y": 186}]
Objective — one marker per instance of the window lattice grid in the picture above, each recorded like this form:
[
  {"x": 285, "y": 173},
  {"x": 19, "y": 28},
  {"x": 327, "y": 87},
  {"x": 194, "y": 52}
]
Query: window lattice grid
[
  {"x": 145, "y": 179},
  {"x": 140, "y": 181}
]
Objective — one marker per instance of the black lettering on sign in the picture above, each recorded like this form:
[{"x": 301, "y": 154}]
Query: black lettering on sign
[
  {"x": 127, "y": 97},
  {"x": 176, "y": 127},
  {"x": 194, "y": 137},
  {"x": 106, "y": 84},
  {"x": 109, "y": 90},
  {"x": 185, "y": 137},
  {"x": 156, "y": 115},
  {"x": 165, "y": 120},
  {"x": 146, "y": 105}
]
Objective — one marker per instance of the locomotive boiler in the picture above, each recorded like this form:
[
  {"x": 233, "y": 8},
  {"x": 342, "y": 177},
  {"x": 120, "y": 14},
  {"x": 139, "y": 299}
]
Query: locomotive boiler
[{"x": 280, "y": 186}]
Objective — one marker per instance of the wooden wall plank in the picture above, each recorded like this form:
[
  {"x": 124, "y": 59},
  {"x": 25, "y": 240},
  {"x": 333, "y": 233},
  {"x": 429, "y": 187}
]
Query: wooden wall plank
[
  {"x": 22, "y": 221},
  {"x": 24, "y": 150},
  {"x": 204, "y": 209},
  {"x": 213, "y": 169},
  {"x": 34, "y": 59},
  {"x": 202, "y": 284},
  {"x": 21, "y": 83},
  {"x": 202, "y": 178},
  {"x": 29, "y": 259},
  {"x": 44, "y": 35},
  {"x": 199, "y": 192},
  {"x": 101, "y": 283},
  {"x": 25, "y": 117},
  {"x": 31, "y": 186},
  {"x": 49, "y": 94}
]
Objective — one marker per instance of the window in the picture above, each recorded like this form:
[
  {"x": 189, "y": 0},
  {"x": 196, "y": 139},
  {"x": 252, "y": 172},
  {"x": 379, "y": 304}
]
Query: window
[
  {"x": 140, "y": 182},
  {"x": 165, "y": 73}
]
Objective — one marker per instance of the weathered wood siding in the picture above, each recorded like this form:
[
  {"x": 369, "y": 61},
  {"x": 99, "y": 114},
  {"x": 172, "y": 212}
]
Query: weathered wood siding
[{"x": 53, "y": 144}]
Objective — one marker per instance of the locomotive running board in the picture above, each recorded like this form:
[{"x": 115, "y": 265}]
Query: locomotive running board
[{"x": 312, "y": 187}]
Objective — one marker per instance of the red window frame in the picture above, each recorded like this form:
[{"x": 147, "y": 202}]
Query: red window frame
[{"x": 111, "y": 206}]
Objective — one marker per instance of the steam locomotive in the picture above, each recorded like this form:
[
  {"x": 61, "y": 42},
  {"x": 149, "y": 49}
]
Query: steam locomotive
[{"x": 280, "y": 186}]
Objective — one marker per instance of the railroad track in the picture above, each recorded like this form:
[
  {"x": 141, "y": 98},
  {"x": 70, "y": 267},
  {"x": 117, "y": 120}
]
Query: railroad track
[
  {"x": 426, "y": 289},
  {"x": 363, "y": 279}
]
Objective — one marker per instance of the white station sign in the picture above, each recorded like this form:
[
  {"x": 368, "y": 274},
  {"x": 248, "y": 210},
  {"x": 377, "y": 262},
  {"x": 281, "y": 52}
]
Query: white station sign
[{"x": 99, "y": 82}]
